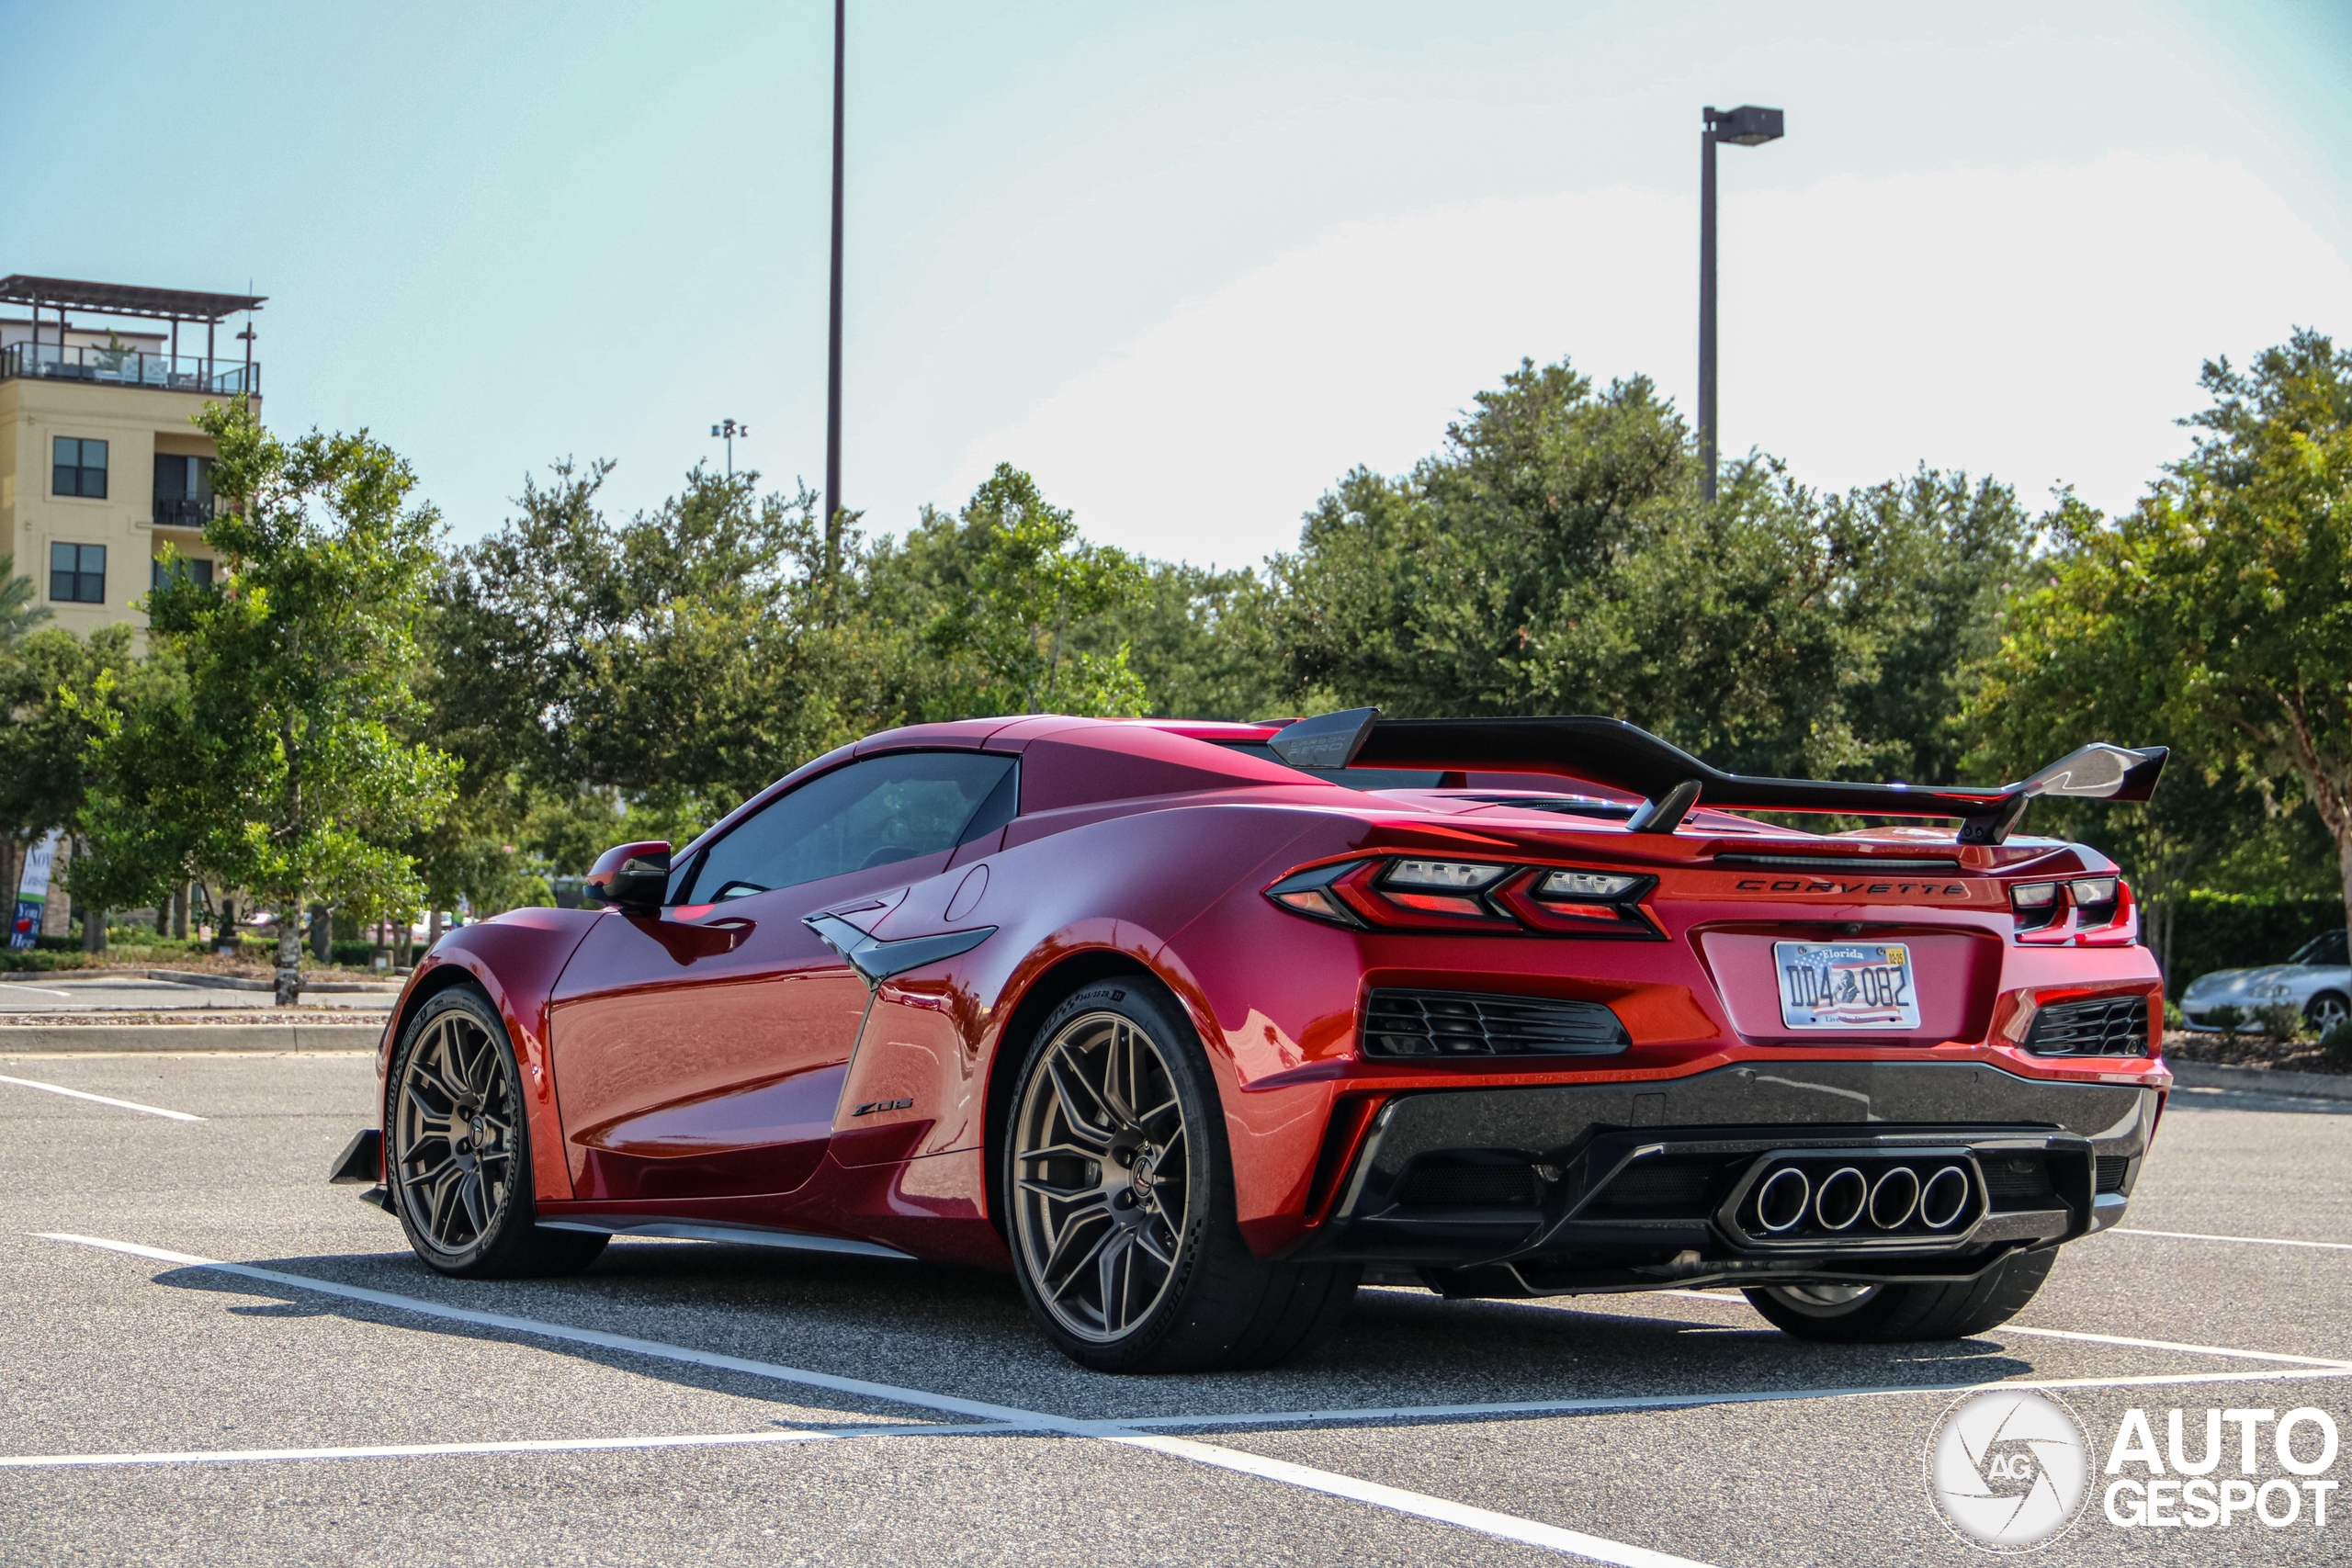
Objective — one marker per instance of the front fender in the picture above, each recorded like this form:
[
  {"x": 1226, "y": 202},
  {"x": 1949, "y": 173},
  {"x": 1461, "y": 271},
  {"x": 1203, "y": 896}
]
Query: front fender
[{"x": 515, "y": 959}]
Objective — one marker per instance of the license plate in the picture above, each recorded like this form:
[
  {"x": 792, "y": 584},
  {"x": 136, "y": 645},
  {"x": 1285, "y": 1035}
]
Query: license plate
[{"x": 1846, "y": 985}]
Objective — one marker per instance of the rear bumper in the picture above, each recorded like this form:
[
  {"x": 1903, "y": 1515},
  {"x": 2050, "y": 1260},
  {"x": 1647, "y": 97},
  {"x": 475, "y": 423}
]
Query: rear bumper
[{"x": 1616, "y": 1187}]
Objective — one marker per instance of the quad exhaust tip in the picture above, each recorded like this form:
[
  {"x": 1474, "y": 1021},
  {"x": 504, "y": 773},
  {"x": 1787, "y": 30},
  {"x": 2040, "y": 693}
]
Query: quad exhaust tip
[{"x": 1847, "y": 1197}]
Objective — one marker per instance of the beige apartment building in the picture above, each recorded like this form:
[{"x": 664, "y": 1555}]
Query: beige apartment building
[{"x": 100, "y": 467}]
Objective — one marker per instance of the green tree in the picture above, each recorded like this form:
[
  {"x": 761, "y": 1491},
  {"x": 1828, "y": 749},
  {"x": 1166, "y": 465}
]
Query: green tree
[
  {"x": 684, "y": 658},
  {"x": 1202, "y": 643},
  {"x": 45, "y": 742},
  {"x": 287, "y": 755},
  {"x": 1553, "y": 557},
  {"x": 997, "y": 607},
  {"x": 2218, "y": 611},
  {"x": 20, "y": 609}
]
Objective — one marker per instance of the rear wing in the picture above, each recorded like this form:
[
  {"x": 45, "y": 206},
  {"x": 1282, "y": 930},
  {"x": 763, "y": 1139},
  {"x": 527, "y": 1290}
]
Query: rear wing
[{"x": 1673, "y": 782}]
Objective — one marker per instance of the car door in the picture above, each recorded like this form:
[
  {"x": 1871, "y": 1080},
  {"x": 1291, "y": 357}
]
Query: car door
[{"x": 700, "y": 1053}]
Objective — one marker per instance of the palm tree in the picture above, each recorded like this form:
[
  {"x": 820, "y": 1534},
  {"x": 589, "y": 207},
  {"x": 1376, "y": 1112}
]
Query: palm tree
[{"x": 18, "y": 613}]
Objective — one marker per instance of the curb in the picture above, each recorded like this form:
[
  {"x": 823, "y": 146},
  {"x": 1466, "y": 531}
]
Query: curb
[
  {"x": 237, "y": 983},
  {"x": 2261, "y": 1081},
  {"x": 35, "y": 1039}
]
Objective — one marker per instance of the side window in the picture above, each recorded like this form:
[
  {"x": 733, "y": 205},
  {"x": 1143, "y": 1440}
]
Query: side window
[
  {"x": 870, "y": 812},
  {"x": 78, "y": 468}
]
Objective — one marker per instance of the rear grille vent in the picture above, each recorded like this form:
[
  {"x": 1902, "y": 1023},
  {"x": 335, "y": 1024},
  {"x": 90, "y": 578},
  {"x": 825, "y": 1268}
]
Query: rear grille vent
[
  {"x": 1939, "y": 865},
  {"x": 1464, "y": 1023},
  {"x": 1471, "y": 1187},
  {"x": 2097, "y": 1026},
  {"x": 2111, "y": 1169},
  {"x": 2019, "y": 1182},
  {"x": 1660, "y": 1190}
]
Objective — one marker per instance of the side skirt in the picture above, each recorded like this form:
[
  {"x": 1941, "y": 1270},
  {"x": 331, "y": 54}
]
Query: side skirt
[{"x": 738, "y": 1236}]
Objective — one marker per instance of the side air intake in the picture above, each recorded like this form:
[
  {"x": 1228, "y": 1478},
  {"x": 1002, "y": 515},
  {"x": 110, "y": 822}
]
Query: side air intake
[{"x": 1402, "y": 1023}]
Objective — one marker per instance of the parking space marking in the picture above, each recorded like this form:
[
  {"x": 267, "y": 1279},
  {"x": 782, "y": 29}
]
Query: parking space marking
[
  {"x": 2242, "y": 1240},
  {"x": 405, "y": 1451},
  {"x": 2171, "y": 1345},
  {"x": 102, "y": 1100},
  {"x": 1507, "y": 1527},
  {"x": 2128, "y": 1343},
  {"x": 1482, "y": 1521},
  {"x": 1611, "y": 1404}
]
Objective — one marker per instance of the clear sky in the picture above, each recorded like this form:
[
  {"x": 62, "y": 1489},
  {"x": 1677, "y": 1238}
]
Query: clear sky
[{"x": 1188, "y": 263}]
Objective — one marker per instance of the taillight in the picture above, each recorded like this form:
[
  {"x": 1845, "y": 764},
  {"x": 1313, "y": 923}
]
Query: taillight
[
  {"x": 2036, "y": 904},
  {"x": 1309, "y": 893},
  {"x": 2095, "y": 899},
  {"x": 1418, "y": 892},
  {"x": 2099, "y": 903}
]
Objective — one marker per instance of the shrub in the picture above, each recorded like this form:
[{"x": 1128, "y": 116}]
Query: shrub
[
  {"x": 358, "y": 954},
  {"x": 2280, "y": 1021},
  {"x": 2337, "y": 1042},
  {"x": 2226, "y": 1018},
  {"x": 2174, "y": 1017}
]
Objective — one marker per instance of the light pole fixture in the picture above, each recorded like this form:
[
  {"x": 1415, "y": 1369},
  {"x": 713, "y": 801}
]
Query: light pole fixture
[
  {"x": 834, "y": 319},
  {"x": 1746, "y": 126},
  {"x": 730, "y": 430}
]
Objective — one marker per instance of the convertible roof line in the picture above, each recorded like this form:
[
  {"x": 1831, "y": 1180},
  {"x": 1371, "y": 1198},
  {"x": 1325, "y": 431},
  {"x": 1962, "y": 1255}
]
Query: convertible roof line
[{"x": 1611, "y": 751}]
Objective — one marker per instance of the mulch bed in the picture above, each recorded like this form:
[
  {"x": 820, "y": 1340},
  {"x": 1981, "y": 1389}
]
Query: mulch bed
[{"x": 2253, "y": 1050}]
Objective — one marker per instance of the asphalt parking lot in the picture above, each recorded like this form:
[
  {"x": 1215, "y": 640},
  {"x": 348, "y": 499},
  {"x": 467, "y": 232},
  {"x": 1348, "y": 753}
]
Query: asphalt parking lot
[{"x": 331, "y": 1401}]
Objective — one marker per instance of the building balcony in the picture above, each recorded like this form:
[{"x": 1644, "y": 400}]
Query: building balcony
[
  {"x": 183, "y": 511},
  {"x": 129, "y": 367}
]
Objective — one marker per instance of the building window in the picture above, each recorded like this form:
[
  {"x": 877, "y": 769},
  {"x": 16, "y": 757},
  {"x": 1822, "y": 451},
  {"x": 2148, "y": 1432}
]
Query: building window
[
  {"x": 195, "y": 568},
  {"x": 81, "y": 468},
  {"x": 77, "y": 573}
]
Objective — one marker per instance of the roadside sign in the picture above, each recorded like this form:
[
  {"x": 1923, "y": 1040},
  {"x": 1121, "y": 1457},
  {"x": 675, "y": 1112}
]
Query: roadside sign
[{"x": 33, "y": 890}]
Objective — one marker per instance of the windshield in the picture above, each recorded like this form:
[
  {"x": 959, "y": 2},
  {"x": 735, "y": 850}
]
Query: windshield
[{"x": 2323, "y": 950}]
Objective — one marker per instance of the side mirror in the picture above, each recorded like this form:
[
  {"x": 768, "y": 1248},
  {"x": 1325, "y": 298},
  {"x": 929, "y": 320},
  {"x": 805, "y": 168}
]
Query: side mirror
[{"x": 631, "y": 877}]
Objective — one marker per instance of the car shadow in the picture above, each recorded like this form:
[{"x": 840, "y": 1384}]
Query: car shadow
[{"x": 966, "y": 1334}]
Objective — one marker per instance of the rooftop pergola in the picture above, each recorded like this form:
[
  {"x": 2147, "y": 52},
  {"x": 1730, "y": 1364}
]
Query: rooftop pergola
[{"x": 173, "y": 305}]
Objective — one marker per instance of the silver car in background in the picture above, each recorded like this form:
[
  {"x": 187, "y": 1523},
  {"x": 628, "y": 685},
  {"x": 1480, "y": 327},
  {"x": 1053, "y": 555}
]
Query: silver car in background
[{"x": 2317, "y": 980}]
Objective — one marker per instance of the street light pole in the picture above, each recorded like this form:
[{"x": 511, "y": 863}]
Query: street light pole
[
  {"x": 730, "y": 430},
  {"x": 1746, "y": 126},
  {"x": 833, "y": 328}
]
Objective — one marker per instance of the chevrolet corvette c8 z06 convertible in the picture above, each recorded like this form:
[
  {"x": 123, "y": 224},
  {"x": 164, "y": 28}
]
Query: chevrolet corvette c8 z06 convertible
[{"x": 1191, "y": 1024}]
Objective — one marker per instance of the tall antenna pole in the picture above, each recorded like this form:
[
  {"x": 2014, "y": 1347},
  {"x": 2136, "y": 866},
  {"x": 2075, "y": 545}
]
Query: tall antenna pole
[{"x": 833, "y": 327}]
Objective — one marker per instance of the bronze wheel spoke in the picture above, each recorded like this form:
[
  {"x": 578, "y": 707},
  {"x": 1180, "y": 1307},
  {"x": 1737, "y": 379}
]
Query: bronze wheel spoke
[
  {"x": 453, "y": 1133},
  {"x": 1099, "y": 1185}
]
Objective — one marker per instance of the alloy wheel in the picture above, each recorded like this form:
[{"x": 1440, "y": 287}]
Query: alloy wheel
[
  {"x": 2326, "y": 1013},
  {"x": 1100, "y": 1176},
  {"x": 454, "y": 1131}
]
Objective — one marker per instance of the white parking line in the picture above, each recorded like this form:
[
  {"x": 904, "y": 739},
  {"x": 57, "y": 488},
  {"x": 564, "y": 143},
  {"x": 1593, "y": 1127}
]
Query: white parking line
[
  {"x": 1507, "y": 1527},
  {"x": 43, "y": 991},
  {"x": 2094, "y": 1338},
  {"x": 1637, "y": 1401},
  {"x": 404, "y": 1450},
  {"x": 2242, "y": 1240},
  {"x": 102, "y": 1100},
  {"x": 1481, "y": 1521}
]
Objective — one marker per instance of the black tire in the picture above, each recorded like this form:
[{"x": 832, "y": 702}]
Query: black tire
[
  {"x": 2327, "y": 1010},
  {"x": 1887, "y": 1313},
  {"x": 1135, "y": 1190},
  {"x": 457, "y": 1149}
]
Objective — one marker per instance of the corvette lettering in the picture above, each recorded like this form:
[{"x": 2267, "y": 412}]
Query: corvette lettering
[{"x": 1853, "y": 889}]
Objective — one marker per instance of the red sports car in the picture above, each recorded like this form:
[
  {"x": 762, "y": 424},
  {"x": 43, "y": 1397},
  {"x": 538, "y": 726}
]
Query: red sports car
[{"x": 1193, "y": 1023}]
